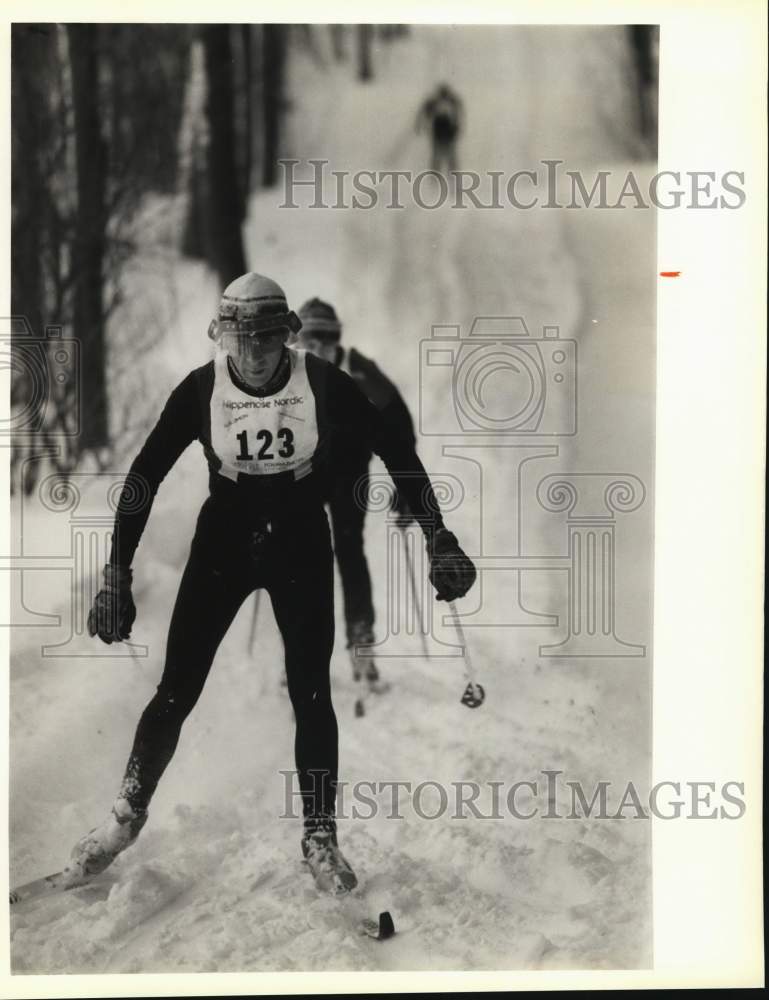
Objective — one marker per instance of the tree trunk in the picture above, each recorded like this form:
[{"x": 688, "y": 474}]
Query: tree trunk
[
  {"x": 246, "y": 32},
  {"x": 28, "y": 193},
  {"x": 337, "y": 41},
  {"x": 643, "y": 40},
  {"x": 365, "y": 34},
  {"x": 273, "y": 61},
  {"x": 242, "y": 73},
  {"x": 90, "y": 226},
  {"x": 30, "y": 51},
  {"x": 225, "y": 202}
]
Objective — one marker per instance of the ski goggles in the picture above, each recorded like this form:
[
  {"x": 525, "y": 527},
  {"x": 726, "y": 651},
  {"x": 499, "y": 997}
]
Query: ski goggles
[
  {"x": 251, "y": 346},
  {"x": 264, "y": 330}
]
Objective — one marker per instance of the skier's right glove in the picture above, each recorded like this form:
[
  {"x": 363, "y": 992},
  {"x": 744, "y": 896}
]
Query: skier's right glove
[
  {"x": 452, "y": 573},
  {"x": 113, "y": 612}
]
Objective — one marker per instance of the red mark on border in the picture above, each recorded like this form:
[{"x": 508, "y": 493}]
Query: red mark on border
[{"x": 670, "y": 274}]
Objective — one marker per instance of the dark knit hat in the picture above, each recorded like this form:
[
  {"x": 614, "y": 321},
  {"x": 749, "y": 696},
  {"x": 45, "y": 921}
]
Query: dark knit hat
[
  {"x": 254, "y": 303},
  {"x": 319, "y": 319}
]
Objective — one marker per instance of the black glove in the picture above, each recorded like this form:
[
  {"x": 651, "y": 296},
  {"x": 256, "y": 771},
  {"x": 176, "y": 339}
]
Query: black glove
[
  {"x": 113, "y": 612},
  {"x": 451, "y": 572}
]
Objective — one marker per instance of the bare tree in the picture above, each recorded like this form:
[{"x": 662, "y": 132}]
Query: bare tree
[
  {"x": 226, "y": 207},
  {"x": 29, "y": 82},
  {"x": 365, "y": 38},
  {"x": 273, "y": 69},
  {"x": 338, "y": 32},
  {"x": 90, "y": 226},
  {"x": 243, "y": 94},
  {"x": 92, "y": 132},
  {"x": 32, "y": 49},
  {"x": 644, "y": 42}
]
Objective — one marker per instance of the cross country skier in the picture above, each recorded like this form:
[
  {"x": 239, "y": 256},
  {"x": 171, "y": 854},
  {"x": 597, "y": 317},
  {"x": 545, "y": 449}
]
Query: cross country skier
[
  {"x": 321, "y": 334},
  {"x": 266, "y": 416},
  {"x": 443, "y": 112}
]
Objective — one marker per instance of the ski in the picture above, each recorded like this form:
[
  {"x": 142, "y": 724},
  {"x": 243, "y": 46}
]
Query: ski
[
  {"x": 379, "y": 930},
  {"x": 48, "y": 885},
  {"x": 37, "y": 887}
]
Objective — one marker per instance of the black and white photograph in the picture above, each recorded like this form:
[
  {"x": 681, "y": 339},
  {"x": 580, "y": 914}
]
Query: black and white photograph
[{"x": 334, "y": 554}]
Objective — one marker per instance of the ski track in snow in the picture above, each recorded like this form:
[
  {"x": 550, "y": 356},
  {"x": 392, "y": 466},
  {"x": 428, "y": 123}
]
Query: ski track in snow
[{"x": 215, "y": 882}]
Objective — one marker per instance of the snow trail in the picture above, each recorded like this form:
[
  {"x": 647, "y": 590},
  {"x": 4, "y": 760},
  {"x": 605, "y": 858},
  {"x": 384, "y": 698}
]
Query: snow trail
[{"x": 215, "y": 882}]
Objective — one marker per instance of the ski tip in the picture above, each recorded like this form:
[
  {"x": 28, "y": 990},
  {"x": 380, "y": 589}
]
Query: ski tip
[
  {"x": 386, "y": 926},
  {"x": 380, "y": 930}
]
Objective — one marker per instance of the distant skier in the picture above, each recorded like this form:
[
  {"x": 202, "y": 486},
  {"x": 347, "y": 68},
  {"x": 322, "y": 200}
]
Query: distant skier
[
  {"x": 266, "y": 417},
  {"x": 321, "y": 334},
  {"x": 443, "y": 113}
]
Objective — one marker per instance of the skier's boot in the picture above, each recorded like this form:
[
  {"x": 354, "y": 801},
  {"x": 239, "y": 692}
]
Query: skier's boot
[
  {"x": 98, "y": 849},
  {"x": 375, "y": 683},
  {"x": 329, "y": 867},
  {"x": 364, "y": 668}
]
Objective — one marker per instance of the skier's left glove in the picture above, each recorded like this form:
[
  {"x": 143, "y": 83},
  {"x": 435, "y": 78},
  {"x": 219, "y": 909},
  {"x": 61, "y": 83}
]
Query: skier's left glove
[
  {"x": 452, "y": 573},
  {"x": 113, "y": 612}
]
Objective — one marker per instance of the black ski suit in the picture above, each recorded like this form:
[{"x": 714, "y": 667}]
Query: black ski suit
[
  {"x": 348, "y": 485},
  {"x": 259, "y": 531}
]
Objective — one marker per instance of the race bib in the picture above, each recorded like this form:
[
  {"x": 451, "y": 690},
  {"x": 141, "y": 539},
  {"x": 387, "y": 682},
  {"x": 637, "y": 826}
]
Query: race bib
[{"x": 264, "y": 435}]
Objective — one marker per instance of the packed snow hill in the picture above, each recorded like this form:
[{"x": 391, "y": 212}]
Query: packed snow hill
[{"x": 216, "y": 882}]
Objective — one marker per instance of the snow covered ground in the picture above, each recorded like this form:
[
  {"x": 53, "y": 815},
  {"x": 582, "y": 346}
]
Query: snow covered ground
[{"x": 215, "y": 882}]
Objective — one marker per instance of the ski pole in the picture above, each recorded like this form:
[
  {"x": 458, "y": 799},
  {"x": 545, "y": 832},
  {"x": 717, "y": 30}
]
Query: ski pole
[
  {"x": 135, "y": 657},
  {"x": 254, "y": 617},
  {"x": 474, "y": 694},
  {"x": 414, "y": 590},
  {"x": 360, "y": 683}
]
